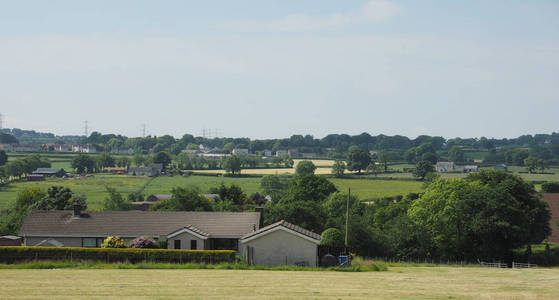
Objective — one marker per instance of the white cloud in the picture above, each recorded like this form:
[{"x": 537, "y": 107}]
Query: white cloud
[{"x": 374, "y": 11}]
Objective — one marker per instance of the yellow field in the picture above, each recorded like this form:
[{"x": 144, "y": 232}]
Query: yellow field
[{"x": 398, "y": 282}]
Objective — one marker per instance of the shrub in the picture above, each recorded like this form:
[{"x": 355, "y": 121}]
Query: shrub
[
  {"x": 332, "y": 237},
  {"x": 111, "y": 255},
  {"x": 550, "y": 187},
  {"x": 113, "y": 242},
  {"x": 144, "y": 243}
]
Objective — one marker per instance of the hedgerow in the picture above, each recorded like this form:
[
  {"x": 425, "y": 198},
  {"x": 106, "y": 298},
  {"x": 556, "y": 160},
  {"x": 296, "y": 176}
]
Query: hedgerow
[{"x": 112, "y": 255}]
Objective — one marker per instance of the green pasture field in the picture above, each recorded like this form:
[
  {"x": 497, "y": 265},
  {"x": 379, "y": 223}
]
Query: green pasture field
[
  {"x": 398, "y": 282},
  {"x": 93, "y": 188},
  {"x": 164, "y": 184}
]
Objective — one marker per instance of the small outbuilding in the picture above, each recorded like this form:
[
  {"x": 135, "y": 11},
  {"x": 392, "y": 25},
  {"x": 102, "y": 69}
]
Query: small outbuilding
[
  {"x": 281, "y": 243},
  {"x": 10, "y": 240}
]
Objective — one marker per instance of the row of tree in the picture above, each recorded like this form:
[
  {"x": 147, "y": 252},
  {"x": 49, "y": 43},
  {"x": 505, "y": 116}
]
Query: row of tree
[{"x": 22, "y": 166}]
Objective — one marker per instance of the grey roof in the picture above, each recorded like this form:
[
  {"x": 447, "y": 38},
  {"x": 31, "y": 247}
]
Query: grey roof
[
  {"x": 136, "y": 223},
  {"x": 193, "y": 229},
  {"x": 287, "y": 225},
  {"x": 10, "y": 237},
  {"x": 158, "y": 197},
  {"x": 47, "y": 170}
]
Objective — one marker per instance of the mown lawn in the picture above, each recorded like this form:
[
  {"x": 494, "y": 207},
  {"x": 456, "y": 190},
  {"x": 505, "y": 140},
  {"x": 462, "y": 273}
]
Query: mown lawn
[{"x": 398, "y": 282}]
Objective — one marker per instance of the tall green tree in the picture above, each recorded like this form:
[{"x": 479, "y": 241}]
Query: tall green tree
[
  {"x": 83, "y": 164},
  {"x": 485, "y": 216},
  {"x": 422, "y": 168},
  {"x": 384, "y": 159},
  {"x": 3, "y": 157},
  {"x": 115, "y": 200},
  {"x": 357, "y": 159},
  {"x": 163, "y": 158},
  {"x": 232, "y": 164},
  {"x": 305, "y": 167},
  {"x": 456, "y": 154},
  {"x": 338, "y": 168},
  {"x": 184, "y": 199}
]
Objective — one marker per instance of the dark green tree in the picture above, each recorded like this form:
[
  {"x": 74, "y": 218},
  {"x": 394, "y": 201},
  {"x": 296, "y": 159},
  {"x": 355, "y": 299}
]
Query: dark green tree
[
  {"x": 357, "y": 159},
  {"x": 305, "y": 167},
  {"x": 232, "y": 164},
  {"x": 456, "y": 154},
  {"x": 422, "y": 168},
  {"x": 115, "y": 201},
  {"x": 83, "y": 164},
  {"x": 163, "y": 158},
  {"x": 338, "y": 168},
  {"x": 3, "y": 157}
]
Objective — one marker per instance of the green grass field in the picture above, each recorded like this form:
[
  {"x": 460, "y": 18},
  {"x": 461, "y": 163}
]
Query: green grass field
[
  {"x": 94, "y": 188},
  {"x": 397, "y": 282}
]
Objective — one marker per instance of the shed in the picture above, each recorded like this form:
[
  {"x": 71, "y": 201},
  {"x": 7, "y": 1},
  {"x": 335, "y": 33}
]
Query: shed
[
  {"x": 10, "y": 240},
  {"x": 158, "y": 197},
  {"x": 281, "y": 243}
]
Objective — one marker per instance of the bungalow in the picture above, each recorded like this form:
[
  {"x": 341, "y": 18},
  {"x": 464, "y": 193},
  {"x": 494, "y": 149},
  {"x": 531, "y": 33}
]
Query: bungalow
[
  {"x": 182, "y": 230},
  {"x": 115, "y": 170},
  {"x": 239, "y": 151},
  {"x": 151, "y": 170},
  {"x": 57, "y": 172},
  {"x": 280, "y": 243},
  {"x": 10, "y": 240},
  {"x": 280, "y": 153}
]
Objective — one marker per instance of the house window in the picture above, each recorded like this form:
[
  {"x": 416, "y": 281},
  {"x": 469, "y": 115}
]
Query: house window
[
  {"x": 89, "y": 242},
  {"x": 177, "y": 244},
  {"x": 193, "y": 244},
  {"x": 100, "y": 242}
]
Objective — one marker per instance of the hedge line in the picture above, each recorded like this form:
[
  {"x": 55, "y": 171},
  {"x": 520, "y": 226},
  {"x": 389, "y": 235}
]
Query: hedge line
[{"x": 12, "y": 254}]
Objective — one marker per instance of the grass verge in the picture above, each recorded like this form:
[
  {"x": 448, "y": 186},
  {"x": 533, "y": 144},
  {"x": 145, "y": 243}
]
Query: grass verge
[{"x": 166, "y": 266}]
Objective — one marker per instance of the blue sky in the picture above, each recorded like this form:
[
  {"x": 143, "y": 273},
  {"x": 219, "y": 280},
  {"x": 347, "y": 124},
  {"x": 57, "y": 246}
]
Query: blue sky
[{"x": 268, "y": 69}]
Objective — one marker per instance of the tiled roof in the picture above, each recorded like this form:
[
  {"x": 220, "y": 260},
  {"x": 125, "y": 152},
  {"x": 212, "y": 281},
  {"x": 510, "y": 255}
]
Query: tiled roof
[
  {"x": 193, "y": 229},
  {"x": 287, "y": 225},
  {"x": 136, "y": 223},
  {"x": 553, "y": 200}
]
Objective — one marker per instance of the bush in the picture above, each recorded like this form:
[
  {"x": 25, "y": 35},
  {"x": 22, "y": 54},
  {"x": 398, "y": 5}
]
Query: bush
[
  {"x": 113, "y": 242},
  {"x": 332, "y": 237},
  {"x": 144, "y": 243},
  {"x": 550, "y": 187},
  {"x": 15, "y": 254}
]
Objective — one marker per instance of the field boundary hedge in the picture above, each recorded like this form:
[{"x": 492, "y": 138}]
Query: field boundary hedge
[{"x": 13, "y": 254}]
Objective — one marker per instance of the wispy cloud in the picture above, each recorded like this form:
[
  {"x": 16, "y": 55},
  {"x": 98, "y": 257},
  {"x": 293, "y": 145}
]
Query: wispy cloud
[{"x": 374, "y": 11}]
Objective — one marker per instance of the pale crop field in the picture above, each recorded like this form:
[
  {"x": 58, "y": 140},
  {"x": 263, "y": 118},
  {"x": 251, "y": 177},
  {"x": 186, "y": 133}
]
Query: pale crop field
[{"x": 398, "y": 282}]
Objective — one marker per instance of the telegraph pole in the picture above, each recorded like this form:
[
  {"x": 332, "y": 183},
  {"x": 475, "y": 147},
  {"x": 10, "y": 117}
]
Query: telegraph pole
[
  {"x": 347, "y": 218},
  {"x": 85, "y": 128},
  {"x": 1, "y": 122},
  {"x": 144, "y": 130}
]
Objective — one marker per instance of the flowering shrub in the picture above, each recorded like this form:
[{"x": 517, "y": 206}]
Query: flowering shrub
[
  {"x": 144, "y": 243},
  {"x": 113, "y": 242}
]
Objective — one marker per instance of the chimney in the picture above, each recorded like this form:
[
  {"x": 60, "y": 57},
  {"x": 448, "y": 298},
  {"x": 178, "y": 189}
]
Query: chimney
[
  {"x": 77, "y": 210},
  {"x": 260, "y": 209}
]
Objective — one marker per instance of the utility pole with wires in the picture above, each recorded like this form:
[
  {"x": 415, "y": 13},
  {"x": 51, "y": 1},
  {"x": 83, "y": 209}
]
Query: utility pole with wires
[
  {"x": 1, "y": 122},
  {"x": 85, "y": 128},
  {"x": 347, "y": 219},
  {"x": 144, "y": 130}
]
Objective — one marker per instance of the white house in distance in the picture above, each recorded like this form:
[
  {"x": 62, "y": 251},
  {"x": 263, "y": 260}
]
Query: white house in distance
[
  {"x": 239, "y": 151},
  {"x": 449, "y": 166},
  {"x": 88, "y": 148}
]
